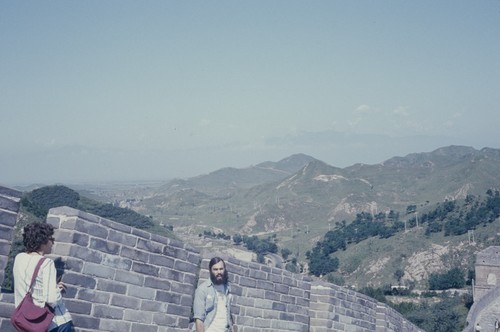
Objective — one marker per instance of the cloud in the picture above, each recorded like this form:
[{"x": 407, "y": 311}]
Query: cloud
[
  {"x": 363, "y": 109},
  {"x": 401, "y": 110}
]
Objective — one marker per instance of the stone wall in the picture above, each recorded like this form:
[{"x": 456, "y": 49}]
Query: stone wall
[
  {"x": 487, "y": 271},
  {"x": 124, "y": 279},
  {"x": 486, "y": 306},
  {"x": 9, "y": 206}
]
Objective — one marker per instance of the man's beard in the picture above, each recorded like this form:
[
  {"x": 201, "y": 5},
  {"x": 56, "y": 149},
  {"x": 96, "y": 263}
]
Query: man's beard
[{"x": 218, "y": 281}]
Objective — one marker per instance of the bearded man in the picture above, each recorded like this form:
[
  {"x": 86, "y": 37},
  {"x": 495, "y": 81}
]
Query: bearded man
[{"x": 212, "y": 300}]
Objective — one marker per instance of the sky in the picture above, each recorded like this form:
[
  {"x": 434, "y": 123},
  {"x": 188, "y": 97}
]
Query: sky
[{"x": 102, "y": 91}]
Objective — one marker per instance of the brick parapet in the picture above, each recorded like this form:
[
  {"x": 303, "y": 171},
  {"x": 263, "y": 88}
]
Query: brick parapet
[{"x": 123, "y": 279}]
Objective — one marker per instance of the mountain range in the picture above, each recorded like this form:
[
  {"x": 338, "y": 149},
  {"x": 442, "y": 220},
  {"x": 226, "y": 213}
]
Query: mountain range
[{"x": 298, "y": 199}]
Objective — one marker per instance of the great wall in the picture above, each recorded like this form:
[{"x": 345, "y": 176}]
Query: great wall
[{"x": 124, "y": 279}]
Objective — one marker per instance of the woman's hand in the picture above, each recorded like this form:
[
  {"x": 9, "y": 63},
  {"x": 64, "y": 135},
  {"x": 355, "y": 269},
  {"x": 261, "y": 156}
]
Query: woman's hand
[{"x": 61, "y": 286}]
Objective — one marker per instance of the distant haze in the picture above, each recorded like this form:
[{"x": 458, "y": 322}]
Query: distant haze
[{"x": 97, "y": 91}]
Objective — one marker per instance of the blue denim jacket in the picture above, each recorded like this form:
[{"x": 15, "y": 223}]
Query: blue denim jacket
[{"x": 205, "y": 304}]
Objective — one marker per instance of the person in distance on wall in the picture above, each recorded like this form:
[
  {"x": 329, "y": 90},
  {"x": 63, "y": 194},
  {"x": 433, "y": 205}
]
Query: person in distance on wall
[
  {"x": 212, "y": 300},
  {"x": 38, "y": 239}
]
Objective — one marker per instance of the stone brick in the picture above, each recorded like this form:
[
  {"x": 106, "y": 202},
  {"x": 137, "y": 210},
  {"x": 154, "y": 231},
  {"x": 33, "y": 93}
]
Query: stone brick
[
  {"x": 272, "y": 296},
  {"x": 256, "y": 293},
  {"x": 93, "y": 296},
  {"x": 160, "y": 239},
  {"x": 73, "y": 265},
  {"x": 9, "y": 204},
  {"x": 8, "y": 218},
  {"x": 138, "y": 316},
  {"x": 114, "y": 325},
  {"x": 117, "y": 262},
  {"x": 11, "y": 193},
  {"x": 168, "y": 297},
  {"x": 279, "y": 306},
  {"x": 144, "y": 327},
  {"x": 125, "y": 301},
  {"x": 79, "y": 280},
  {"x": 141, "y": 292},
  {"x": 130, "y": 278},
  {"x": 175, "y": 252},
  {"x": 78, "y": 307},
  {"x": 145, "y": 269},
  {"x": 107, "y": 311},
  {"x": 91, "y": 229},
  {"x": 194, "y": 258},
  {"x": 98, "y": 270},
  {"x": 281, "y": 289},
  {"x": 4, "y": 248},
  {"x": 111, "y": 286},
  {"x": 120, "y": 237},
  {"x": 179, "y": 287},
  {"x": 190, "y": 279},
  {"x": 157, "y": 283},
  {"x": 248, "y": 282},
  {"x": 86, "y": 254},
  {"x": 6, "y": 233},
  {"x": 134, "y": 254},
  {"x": 149, "y": 246},
  {"x": 258, "y": 274},
  {"x": 154, "y": 306},
  {"x": 161, "y": 260},
  {"x": 6, "y": 326},
  {"x": 185, "y": 267},
  {"x": 105, "y": 246},
  {"x": 287, "y": 299},
  {"x": 164, "y": 319},
  {"x": 116, "y": 225},
  {"x": 178, "y": 310},
  {"x": 141, "y": 233}
]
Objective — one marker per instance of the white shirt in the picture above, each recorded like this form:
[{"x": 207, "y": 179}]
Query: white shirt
[
  {"x": 44, "y": 290},
  {"x": 220, "y": 321}
]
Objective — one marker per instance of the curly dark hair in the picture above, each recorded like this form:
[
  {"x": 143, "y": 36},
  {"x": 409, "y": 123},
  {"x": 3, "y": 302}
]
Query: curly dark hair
[{"x": 36, "y": 234}]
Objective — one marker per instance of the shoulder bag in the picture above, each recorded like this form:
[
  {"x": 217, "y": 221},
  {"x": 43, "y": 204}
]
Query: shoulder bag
[{"x": 28, "y": 317}]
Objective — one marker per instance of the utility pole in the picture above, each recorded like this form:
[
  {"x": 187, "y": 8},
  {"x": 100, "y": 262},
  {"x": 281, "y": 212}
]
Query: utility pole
[{"x": 416, "y": 218}]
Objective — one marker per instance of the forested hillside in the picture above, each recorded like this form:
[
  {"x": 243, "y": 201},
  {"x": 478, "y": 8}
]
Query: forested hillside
[{"x": 36, "y": 204}]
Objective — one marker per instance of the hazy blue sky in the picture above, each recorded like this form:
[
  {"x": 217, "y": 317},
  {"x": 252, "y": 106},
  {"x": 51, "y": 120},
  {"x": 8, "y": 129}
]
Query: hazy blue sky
[{"x": 131, "y": 90}]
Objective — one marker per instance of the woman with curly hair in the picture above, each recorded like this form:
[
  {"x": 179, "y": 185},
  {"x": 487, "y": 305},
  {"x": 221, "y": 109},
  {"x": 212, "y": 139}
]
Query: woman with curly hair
[{"x": 38, "y": 239}]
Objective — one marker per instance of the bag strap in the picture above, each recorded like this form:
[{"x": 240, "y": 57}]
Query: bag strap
[{"x": 37, "y": 268}]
